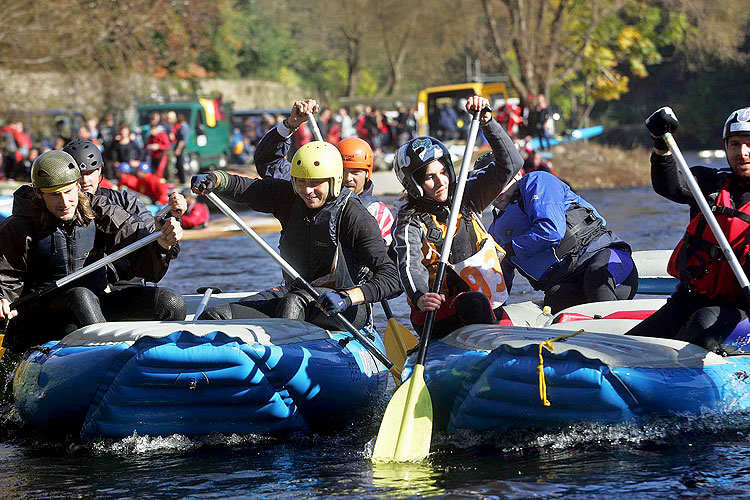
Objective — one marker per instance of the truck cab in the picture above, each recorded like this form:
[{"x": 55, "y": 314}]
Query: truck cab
[{"x": 208, "y": 143}]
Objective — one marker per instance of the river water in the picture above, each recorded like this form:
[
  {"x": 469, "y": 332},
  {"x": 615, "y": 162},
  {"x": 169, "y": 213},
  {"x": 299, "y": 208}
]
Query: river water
[{"x": 665, "y": 458}]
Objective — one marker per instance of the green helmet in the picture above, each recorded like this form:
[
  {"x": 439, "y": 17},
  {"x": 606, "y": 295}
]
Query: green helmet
[
  {"x": 54, "y": 170},
  {"x": 319, "y": 160}
]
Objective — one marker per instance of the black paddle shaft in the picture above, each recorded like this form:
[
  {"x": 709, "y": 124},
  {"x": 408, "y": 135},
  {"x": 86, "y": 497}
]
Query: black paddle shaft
[{"x": 430, "y": 320}]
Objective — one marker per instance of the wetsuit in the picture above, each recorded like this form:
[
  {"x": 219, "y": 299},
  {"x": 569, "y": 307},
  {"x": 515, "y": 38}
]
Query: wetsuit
[
  {"x": 562, "y": 245},
  {"x": 37, "y": 249},
  {"x": 418, "y": 237},
  {"x": 691, "y": 315},
  {"x": 336, "y": 246},
  {"x": 271, "y": 161}
]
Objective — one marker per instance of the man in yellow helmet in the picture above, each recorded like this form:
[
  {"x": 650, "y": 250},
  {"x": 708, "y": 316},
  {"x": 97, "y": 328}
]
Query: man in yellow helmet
[{"x": 327, "y": 236}]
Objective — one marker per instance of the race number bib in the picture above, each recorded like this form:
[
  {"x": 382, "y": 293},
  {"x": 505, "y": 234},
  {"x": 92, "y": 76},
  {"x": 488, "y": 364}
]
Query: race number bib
[{"x": 482, "y": 272}]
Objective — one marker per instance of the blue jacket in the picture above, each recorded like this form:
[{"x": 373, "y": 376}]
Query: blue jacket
[{"x": 535, "y": 224}]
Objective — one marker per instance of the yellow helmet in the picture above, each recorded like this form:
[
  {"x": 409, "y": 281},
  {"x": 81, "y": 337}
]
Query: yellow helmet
[{"x": 319, "y": 160}]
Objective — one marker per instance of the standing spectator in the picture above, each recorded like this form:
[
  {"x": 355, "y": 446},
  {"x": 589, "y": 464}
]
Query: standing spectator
[
  {"x": 124, "y": 149},
  {"x": 157, "y": 146},
  {"x": 538, "y": 121},
  {"x": 447, "y": 128},
  {"x": 347, "y": 126},
  {"x": 9, "y": 147},
  {"x": 182, "y": 136},
  {"x": 92, "y": 126},
  {"x": 23, "y": 148},
  {"x": 107, "y": 133},
  {"x": 363, "y": 128}
]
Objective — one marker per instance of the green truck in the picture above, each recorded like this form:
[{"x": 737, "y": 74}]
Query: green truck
[{"x": 208, "y": 147}]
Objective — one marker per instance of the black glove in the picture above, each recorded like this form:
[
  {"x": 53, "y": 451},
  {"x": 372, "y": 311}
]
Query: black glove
[
  {"x": 333, "y": 303},
  {"x": 662, "y": 120},
  {"x": 203, "y": 183}
]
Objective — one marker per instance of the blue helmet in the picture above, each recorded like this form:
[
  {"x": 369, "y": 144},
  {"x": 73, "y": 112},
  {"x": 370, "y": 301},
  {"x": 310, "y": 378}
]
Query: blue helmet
[
  {"x": 144, "y": 167},
  {"x": 124, "y": 167},
  {"x": 416, "y": 155}
]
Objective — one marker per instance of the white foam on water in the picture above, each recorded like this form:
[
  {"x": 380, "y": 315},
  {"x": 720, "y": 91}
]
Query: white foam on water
[
  {"x": 633, "y": 433},
  {"x": 140, "y": 445}
]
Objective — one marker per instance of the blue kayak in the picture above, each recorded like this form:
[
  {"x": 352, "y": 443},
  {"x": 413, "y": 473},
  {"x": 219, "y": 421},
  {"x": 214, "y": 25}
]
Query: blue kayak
[
  {"x": 487, "y": 377},
  {"x": 271, "y": 376},
  {"x": 574, "y": 135}
]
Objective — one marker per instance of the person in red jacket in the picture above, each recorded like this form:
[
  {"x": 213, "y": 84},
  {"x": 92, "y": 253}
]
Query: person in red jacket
[
  {"x": 151, "y": 185},
  {"x": 157, "y": 146},
  {"x": 197, "y": 214},
  {"x": 125, "y": 178}
]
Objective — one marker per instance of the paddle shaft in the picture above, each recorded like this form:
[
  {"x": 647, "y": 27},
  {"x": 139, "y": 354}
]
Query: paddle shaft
[
  {"x": 700, "y": 199},
  {"x": 316, "y": 131},
  {"x": 458, "y": 196},
  {"x": 299, "y": 280},
  {"x": 90, "y": 268}
]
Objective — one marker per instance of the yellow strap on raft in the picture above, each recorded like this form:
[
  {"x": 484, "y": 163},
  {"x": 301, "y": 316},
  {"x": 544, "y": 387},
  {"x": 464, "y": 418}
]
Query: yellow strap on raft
[{"x": 540, "y": 366}]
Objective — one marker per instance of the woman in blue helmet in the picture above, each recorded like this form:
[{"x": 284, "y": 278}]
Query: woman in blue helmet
[{"x": 474, "y": 289}]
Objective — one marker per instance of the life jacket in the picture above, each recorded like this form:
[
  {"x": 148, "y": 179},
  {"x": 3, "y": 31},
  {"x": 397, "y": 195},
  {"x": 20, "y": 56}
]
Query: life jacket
[
  {"x": 585, "y": 234},
  {"x": 474, "y": 263},
  {"x": 698, "y": 261},
  {"x": 379, "y": 210},
  {"x": 56, "y": 252},
  {"x": 311, "y": 245}
]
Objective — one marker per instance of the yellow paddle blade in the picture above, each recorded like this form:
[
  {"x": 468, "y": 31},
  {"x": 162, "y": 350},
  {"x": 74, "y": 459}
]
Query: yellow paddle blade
[
  {"x": 406, "y": 429},
  {"x": 398, "y": 340},
  {"x": 2, "y": 349}
]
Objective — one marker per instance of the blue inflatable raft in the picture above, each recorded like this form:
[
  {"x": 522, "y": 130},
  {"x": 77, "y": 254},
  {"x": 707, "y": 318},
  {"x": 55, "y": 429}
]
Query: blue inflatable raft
[
  {"x": 270, "y": 376},
  {"x": 487, "y": 377}
]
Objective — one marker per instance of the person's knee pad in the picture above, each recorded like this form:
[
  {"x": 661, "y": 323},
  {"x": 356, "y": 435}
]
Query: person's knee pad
[
  {"x": 84, "y": 306},
  {"x": 294, "y": 305},
  {"x": 170, "y": 305}
]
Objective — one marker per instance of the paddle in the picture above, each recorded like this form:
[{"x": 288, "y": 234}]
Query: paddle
[
  {"x": 206, "y": 291},
  {"x": 299, "y": 280},
  {"x": 406, "y": 429},
  {"x": 734, "y": 264},
  {"x": 398, "y": 340},
  {"x": 316, "y": 131}
]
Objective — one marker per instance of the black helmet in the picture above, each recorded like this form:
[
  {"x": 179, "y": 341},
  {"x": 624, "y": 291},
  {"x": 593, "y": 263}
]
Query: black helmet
[
  {"x": 86, "y": 154},
  {"x": 52, "y": 170},
  {"x": 417, "y": 154}
]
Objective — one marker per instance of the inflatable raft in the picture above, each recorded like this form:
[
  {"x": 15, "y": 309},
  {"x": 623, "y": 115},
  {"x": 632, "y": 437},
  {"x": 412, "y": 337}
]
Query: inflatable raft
[
  {"x": 488, "y": 377},
  {"x": 270, "y": 376}
]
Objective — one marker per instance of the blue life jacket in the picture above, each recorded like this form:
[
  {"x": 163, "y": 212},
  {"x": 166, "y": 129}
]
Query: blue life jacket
[{"x": 552, "y": 230}]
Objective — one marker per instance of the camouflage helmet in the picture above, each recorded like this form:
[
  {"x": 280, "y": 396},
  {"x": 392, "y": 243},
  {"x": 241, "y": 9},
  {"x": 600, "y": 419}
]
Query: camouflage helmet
[{"x": 54, "y": 170}]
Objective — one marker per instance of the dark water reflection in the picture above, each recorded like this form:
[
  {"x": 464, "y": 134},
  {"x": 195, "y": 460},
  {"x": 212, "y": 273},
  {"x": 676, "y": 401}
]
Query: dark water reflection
[{"x": 673, "y": 458}]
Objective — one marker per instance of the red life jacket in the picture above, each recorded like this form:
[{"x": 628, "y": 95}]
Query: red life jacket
[{"x": 698, "y": 260}]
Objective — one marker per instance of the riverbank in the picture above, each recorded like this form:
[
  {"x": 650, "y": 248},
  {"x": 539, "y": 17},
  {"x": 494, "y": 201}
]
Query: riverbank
[{"x": 589, "y": 165}]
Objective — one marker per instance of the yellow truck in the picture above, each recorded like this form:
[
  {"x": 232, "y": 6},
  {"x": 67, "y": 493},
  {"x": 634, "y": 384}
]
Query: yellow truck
[{"x": 431, "y": 99}]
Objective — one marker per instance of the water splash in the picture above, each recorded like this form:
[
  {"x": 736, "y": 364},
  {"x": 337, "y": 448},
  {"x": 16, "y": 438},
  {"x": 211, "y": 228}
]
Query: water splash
[
  {"x": 638, "y": 433},
  {"x": 175, "y": 443}
]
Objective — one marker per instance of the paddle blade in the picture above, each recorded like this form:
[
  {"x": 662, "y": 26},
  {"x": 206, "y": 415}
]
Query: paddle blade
[
  {"x": 398, "y": 340},
  {"x": 406, "y": 429}
]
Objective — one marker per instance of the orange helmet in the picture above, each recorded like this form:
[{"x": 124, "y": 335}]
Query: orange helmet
[{"x": 356, "y": 153}]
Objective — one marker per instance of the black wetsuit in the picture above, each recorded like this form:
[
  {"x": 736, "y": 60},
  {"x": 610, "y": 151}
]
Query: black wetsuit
[
  {"x": 687, "y": 315},
  {"x": 310, "y": 240},
  {"x": 37, "y": 249}
]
